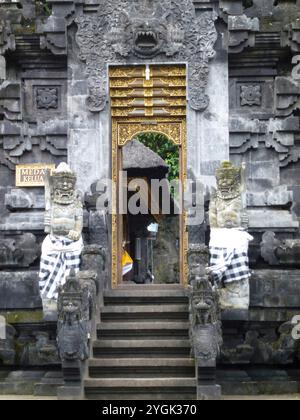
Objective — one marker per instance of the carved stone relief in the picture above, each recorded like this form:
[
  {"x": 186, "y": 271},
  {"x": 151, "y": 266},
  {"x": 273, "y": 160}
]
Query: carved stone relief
[
  {"x": 251, "y": 95},
  {"x": 47, "y": 98},
  {"x": 163, "y": 30}
]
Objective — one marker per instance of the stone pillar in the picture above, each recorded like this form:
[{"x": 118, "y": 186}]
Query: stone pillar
[
  {"x": 89, "y": 147},
  {"x": 208, "y": 131}
]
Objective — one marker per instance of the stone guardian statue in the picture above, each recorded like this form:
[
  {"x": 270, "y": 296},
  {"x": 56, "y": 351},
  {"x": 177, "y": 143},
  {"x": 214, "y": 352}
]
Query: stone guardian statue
[
  {"x": 229, "y": 243},
  {"x": 61, "y": 250}
]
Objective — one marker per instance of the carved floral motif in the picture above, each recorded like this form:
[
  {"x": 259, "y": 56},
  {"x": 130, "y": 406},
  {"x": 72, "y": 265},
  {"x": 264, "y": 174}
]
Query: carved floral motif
[
  {"x": 251, "y": 95},
  {"x": 47, "y": 98}
]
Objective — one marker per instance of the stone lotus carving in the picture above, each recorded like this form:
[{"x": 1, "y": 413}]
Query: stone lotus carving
[
  {"x": 166, "y": 29},
  {"x": 251, "y": 95},
  {"x": 47, "y": 98}
]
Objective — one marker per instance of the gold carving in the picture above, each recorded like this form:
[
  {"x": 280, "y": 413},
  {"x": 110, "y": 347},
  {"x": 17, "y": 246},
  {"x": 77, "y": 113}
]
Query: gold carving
[
  {"x": 169, "y": 71},
  {"x": 117, "y": 83},
  {"x": 148, "y": 102},
  {"x": 127, "y": 72},
  {"x": 171, "y": 129},
  {"x": 122, "y": 93},
  {"x": 148, "y": 83},
  {"x": 32, "y": 175},
  {"x": 148, "y": 93},
  {"x": 175, "y": 111},
  {"x": 174, "y": 92},
  {"x": 123, "y": 102}
]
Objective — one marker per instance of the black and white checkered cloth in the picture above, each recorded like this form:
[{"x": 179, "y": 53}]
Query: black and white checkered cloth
[
  {"x": 228, "y": 266},
  {"x": 59, "y": 257}
]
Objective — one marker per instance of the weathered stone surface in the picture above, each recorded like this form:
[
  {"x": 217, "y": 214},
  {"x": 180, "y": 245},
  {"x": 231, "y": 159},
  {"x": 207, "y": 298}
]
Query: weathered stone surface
[
  {"x": 19, "y": 290},
  {"x": 264, "y": 219},
  {"x": 279, "y": 196},
  {"x": 40, "y": 352},
  {"x": 271, "y": 346},
  {"x": 7, "y": 346},
  {"x": 17, "y": 199},
  {"x": 275, "y": 289},
  {"x": 25, "y": 221},
  {"x": 242, "y": 31},
  {"x": 18, "y": 251}
]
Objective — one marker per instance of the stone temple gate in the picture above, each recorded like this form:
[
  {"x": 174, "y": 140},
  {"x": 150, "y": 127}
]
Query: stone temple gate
[{"x": 79, "y": 79}]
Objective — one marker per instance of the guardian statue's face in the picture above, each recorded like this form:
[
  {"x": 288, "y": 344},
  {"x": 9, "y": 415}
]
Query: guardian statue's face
[
  {"x": 64, "y": 191},
  {"x": 228, "y": 184}
]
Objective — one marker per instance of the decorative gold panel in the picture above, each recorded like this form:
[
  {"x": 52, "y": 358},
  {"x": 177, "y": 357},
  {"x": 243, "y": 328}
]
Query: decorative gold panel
[{"x": 127, "y": 130}]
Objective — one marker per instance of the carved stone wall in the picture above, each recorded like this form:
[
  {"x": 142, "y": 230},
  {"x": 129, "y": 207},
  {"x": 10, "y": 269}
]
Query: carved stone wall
[{"x": 264, "y": 112}]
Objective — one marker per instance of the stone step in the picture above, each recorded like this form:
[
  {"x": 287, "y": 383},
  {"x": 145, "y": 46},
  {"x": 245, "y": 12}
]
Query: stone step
[
  {"x": 143, "y": 330},
  {"x": 161, "y": 287},
  {"x": 49, "y": 384},
  {"x": 145, "y": 312},
  {"x": 141, "y": 348},
  {"x": 260, "y": 387},
  {"x": 145, "y": 297},
  {"x": 142, "y": 368},
  {"x": 138, "y": 388},
  {"x": 103, "y": 394},
  {"x": 4, "y": 374},
  {"x": 20, "y": 382}
]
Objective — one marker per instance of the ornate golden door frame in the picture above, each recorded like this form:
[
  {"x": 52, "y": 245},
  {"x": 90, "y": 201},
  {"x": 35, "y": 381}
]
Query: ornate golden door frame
[{"x": 134, "y": 113}]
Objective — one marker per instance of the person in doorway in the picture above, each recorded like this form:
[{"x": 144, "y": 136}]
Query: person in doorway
[{"x": 127, "y": 263}]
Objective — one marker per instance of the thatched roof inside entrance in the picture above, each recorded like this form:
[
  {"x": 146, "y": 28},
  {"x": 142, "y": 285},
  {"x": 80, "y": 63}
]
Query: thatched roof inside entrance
[{"x": 138, "y": 158}]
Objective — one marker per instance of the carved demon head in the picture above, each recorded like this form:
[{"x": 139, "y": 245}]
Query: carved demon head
[
  {"x": 148, "y": 38},
  {"x": 229, "y": 179},
  {"x": 63, "y": 185},
  {"x": 146, "y": 30}
]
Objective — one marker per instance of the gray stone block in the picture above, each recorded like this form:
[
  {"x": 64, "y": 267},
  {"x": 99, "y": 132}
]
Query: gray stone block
[
  {"x": 209, "y": 392},
  {"x": 19, "y": 290},
  {"x": 275, "y": 289}
]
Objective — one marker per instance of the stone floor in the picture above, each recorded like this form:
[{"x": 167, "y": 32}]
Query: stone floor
[
  {"x": 227, "y": 398},
  {"x": 25, "y": 397},
  {"x": 263, "y": 398}
]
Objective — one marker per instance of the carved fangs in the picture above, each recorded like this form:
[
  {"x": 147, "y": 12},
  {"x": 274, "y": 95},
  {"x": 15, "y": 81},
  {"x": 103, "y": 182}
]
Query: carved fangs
[{"x": 146, "y": 39}]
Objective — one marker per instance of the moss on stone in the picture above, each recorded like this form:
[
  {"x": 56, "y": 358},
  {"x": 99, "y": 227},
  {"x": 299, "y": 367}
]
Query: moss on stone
[
  {"x": 22, "y": 317},
  {"x": 27, "y": 26}
]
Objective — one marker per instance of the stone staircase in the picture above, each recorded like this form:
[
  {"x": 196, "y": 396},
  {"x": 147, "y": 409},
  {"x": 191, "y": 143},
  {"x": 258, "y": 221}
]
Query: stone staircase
[{"x": 142, "y": 349}]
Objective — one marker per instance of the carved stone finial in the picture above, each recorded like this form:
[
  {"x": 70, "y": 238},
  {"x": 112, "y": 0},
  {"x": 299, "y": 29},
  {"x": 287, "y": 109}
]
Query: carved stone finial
[
  {"x": 206, "y": 333},
  {"x": 72, "y": 331}
]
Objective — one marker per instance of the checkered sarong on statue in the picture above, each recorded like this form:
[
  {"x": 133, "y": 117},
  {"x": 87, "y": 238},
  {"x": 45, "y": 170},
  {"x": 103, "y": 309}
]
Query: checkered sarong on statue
[
  {"x": 59, "y": 257},
  {"x": 229, "y": 260},
  {"x": 229, "y": 265}
]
